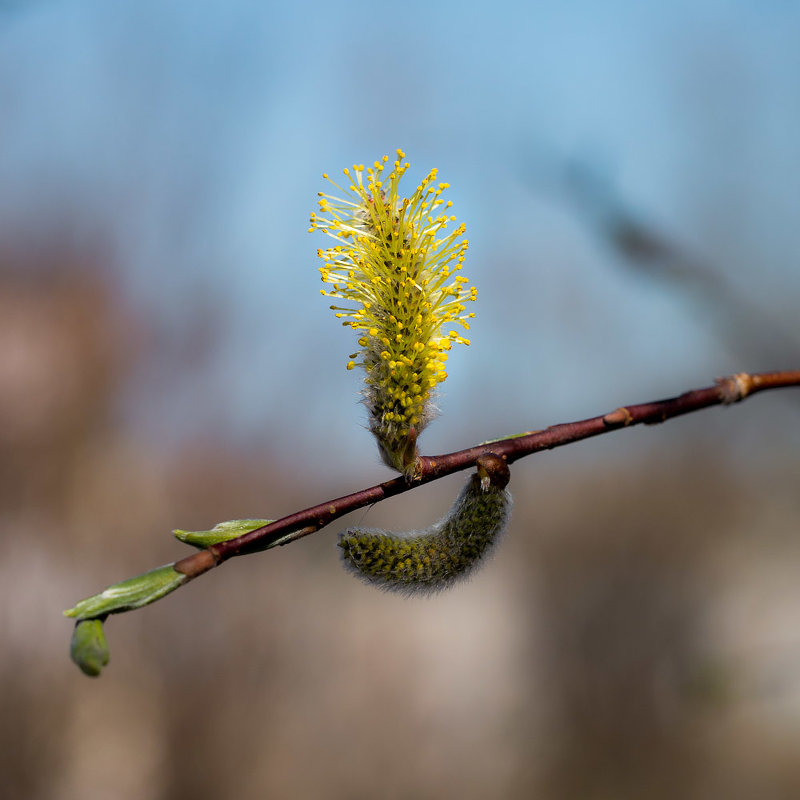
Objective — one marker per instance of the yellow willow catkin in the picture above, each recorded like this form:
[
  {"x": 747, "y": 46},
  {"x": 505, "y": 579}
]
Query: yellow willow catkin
[
  {"x": 433, "y": 559},
  {"x": 396, "y": 267}
]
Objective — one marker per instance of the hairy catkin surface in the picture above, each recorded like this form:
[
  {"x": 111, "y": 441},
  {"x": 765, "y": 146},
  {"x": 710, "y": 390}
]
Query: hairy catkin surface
[{"x": 432, "y": 559}]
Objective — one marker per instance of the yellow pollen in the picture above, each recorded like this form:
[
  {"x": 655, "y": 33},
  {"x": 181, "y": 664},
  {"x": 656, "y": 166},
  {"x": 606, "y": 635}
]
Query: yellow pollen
[{"x": 393, "y": 268}]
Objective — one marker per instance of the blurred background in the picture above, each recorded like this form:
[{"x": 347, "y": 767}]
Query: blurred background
[{"x": 628, "y": 176}]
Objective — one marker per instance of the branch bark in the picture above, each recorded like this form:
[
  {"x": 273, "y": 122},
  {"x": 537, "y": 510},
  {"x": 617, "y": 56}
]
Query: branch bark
[{"x": 727, "y": 390}]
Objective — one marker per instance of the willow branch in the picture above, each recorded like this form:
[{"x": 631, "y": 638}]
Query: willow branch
[{"x": 430, "y": 468}]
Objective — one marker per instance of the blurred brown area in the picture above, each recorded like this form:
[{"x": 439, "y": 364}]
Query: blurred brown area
[{"x": 635, "y": 636}]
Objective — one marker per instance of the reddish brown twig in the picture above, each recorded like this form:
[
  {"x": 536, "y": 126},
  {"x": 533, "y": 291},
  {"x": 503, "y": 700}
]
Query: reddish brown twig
[{"x": 430, "y": 468}]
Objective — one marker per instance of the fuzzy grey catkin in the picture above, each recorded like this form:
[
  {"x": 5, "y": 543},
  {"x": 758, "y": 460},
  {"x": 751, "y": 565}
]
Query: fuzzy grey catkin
[{"x": 432, "y": 559}]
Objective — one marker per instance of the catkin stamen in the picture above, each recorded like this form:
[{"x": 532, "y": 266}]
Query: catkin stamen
[{"x": 395, "y": 267}]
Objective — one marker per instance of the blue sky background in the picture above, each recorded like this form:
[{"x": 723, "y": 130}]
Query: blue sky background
[{"x": 191, "y": 138}]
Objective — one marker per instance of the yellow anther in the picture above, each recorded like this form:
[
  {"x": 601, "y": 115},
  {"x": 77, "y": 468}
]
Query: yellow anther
[{"x": 392, "y": 266}]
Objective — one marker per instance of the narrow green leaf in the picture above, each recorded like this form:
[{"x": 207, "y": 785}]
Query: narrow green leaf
[
  {"x": 129, "y": 594},
  {"x": 222, "y": 532}
]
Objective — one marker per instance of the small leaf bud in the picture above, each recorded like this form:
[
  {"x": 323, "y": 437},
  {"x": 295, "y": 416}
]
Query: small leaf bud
[{"x": 89, "y": 649}]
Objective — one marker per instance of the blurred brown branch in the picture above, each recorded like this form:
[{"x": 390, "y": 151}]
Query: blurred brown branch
[{"x": 740, "y": 319}]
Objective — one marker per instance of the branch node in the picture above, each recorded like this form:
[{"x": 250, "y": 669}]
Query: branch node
[
  {"x": 493, "y": 471},
  {"x": 734, "y": 388},
  {"x": 196, "y": 564},
  {"x": 425, "y": 466},
  {"x": 620, "y": 417}
]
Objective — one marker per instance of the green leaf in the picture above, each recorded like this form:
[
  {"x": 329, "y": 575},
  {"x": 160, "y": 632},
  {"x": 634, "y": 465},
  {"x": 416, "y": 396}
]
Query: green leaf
[
  {"x": 223, "y": 532},
  {"x": 129, "y": 594}
]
